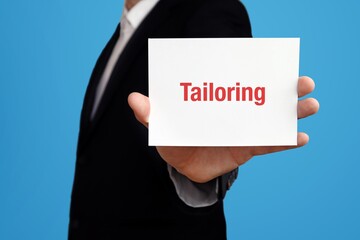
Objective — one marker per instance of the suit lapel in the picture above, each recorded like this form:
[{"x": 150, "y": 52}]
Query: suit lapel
[
  {"x": 85, "y": 123},
  {"x": 131, "y": 51}
]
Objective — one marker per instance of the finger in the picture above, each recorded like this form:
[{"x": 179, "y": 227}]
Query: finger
[
  {"x": 141, "y": 106},
  {"x": 305, "y": 86},
  {"x": 307, "y": 107},
  {"x": 302, "y": 139}
]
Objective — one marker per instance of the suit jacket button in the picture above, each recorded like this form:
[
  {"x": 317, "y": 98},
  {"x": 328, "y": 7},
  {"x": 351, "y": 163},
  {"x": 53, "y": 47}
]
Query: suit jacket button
[
  {"x": 74, "y": 224},
  {"x": 81, "y": 160}
]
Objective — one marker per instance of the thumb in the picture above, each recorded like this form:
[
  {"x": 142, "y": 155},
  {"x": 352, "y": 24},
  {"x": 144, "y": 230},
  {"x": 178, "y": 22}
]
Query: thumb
[{"x": 140, "y": 104}]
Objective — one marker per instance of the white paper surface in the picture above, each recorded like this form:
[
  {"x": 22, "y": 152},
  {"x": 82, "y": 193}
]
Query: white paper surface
[{"x": 205, "y": 115}]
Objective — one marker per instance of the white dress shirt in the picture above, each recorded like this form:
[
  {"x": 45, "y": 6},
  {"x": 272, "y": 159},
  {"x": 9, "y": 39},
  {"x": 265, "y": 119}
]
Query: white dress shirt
[{"x": 191, "y": 193}]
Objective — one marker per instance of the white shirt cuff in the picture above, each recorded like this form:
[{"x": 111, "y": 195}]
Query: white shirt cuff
[{"x": 194, "y": 194}]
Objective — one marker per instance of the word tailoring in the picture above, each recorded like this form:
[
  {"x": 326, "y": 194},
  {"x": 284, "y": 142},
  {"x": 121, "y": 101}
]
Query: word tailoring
[{"x": 208, "y": 92}]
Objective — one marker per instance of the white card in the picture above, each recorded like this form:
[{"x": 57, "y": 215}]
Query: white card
[{"x": 223, "y": 91}]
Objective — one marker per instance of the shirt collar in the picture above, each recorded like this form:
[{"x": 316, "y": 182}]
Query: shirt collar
[{"x": 138, "y": 12}]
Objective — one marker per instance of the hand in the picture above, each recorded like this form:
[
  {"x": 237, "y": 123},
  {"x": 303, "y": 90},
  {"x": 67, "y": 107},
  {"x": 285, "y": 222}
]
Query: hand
[{"x": 201, "y": 164}]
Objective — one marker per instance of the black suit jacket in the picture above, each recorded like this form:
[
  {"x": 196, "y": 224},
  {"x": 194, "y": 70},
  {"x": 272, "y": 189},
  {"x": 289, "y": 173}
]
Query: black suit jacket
[{"x": 122, "y": 188}]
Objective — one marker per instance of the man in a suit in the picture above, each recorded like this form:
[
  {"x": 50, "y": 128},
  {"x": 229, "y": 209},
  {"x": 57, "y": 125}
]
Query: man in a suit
[{"x": 124, "y": 189}]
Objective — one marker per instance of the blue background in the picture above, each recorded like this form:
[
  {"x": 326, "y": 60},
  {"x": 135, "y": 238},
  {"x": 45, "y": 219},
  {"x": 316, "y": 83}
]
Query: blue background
[{"x": 47, "y": 52}]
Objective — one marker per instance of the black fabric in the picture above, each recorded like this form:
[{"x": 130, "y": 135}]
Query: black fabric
[{"x": 122, "y": 188}]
